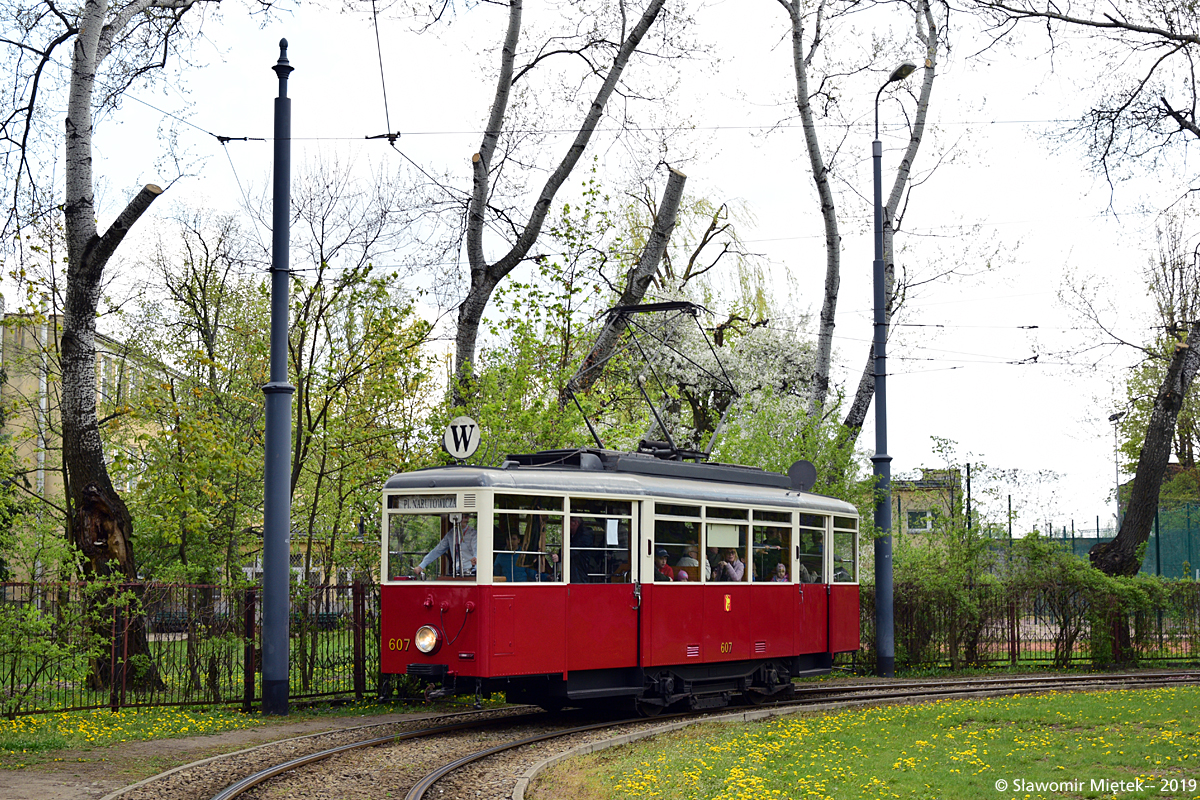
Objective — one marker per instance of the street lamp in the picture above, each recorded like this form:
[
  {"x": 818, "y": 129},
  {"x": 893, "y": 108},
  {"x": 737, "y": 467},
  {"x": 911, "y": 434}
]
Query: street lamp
[
  {"x": 1114, "y": 419},
  {"x": 885, "y": 639}
]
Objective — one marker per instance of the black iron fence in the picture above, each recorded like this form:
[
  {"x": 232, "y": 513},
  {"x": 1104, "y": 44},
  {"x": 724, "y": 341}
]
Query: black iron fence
[
  {"x": 71, "y": 646},
  {"x": 1051, "y": 625}
]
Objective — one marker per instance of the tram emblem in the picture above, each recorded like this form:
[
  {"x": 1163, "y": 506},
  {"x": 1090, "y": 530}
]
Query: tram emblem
[
  {"x": 728, "y": 603},
  {"x": 461, "y": 439}
]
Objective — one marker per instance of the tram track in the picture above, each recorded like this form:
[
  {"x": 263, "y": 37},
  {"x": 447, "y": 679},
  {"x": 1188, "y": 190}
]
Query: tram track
[
  {"x": 495, "y": 754},
  {"x": 821, "y": 698}
]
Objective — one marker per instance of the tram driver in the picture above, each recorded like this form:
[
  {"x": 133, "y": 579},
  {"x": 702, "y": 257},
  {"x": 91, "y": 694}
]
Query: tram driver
[{"x": 460, "y": 543}]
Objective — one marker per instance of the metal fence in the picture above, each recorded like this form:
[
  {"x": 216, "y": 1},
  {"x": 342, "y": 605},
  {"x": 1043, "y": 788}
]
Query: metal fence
[
  {"x": 1173, "y": 549},
  {"x": 70, "y": 646},
  {"x": 1049, "y": 626}
]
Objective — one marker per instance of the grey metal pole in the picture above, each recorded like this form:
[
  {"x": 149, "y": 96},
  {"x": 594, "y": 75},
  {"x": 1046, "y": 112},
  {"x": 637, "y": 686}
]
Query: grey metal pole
[
  {"x": 885, "y": 641},
  {"x": 277, "y": 501},
  {"x": 1114, "y": 419}
]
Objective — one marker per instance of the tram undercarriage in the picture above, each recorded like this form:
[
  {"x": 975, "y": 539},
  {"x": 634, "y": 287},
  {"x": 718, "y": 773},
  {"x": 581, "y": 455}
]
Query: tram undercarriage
[{"x": 651, "y": 691}]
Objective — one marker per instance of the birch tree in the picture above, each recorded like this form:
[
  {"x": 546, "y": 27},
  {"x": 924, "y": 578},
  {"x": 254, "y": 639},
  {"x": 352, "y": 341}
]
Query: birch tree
[
  {"x": 815, "y": 94},
  {"x": 112, "y": 46},
  {"x": 607, "y": 43}
]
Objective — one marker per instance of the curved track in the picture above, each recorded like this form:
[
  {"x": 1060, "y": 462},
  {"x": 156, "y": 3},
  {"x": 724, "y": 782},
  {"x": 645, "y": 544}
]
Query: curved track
[
  {"x": 511, "y": 737},
  {"x": 825, "y": 698}
]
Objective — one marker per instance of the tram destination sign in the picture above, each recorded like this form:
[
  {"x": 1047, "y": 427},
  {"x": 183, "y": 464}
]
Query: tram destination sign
[{"x": 419, "y": 502}]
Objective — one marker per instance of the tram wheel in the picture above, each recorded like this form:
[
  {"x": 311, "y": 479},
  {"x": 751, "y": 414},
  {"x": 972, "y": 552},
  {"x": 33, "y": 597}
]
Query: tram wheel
[
  {"x": 754, "y": 698},
  {"x": 648, "y": 709}
]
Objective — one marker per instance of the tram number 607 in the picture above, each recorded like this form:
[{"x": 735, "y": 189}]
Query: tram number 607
[
  {"x": 399, "y": 644},
  {"x": 726, "y": 647}
]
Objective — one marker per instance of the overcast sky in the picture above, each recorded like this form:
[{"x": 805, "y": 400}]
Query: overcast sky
[{"x": 965, "y": 367}]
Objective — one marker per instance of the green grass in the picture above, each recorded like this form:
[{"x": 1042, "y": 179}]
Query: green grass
[
  {"x": 947, "y": 749},
  {"x": 40, "y": 733},
  {"x": 36, "y": 738}
]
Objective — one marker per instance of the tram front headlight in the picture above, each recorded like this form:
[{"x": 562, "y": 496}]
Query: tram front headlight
[{"x": 427, "y": 639}]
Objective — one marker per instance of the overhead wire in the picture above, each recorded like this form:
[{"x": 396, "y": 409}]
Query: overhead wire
[{"x": 382, "y": 78}]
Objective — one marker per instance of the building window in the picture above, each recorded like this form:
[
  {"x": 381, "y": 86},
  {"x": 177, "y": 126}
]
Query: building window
[{"x": 920, "y": 520}]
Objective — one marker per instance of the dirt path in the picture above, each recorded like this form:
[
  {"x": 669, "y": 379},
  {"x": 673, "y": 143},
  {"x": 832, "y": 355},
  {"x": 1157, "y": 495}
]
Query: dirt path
[{"x": 94, "y": 773}]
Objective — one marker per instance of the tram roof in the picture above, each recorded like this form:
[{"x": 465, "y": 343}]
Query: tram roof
[{"x": 609, "y": 472}]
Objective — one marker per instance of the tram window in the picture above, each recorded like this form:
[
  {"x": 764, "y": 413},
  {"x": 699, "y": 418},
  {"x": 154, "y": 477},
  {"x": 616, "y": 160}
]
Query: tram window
[
  {"x": 601, "y": 507},
  {"x": 772, "y": 554},
  {"x": 676, "y": 549},
  {"x": 528, "y": 502},
  {"x": 845, "y": 550},
  {"x": 713, "y": 512},
  {"x": 600, "y": 549},
  {"x": 431, "y": 546},
  {"x": 527, "y": 546},
  {"x": 727, "y": 547},
  {"x": 811, "y": 547},
  {"x": 671, "y": 510},
  {"x": 773, "y": 516}
]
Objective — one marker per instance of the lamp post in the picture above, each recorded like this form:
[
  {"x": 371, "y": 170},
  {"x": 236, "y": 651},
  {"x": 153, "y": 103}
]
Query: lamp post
[
  {"x": 885, "y": 640},
  {"x": 1114, "y": 419},
  {"x": 277, "y": 442}
]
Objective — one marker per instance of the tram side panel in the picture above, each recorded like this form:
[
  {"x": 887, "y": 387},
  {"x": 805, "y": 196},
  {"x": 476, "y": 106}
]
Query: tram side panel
[
  {"x": 672, "y": 625},
  {"x": 603, "y": 626},
  {"x": 844, "y": 630},
  {"x": 772, "y": 630},
  {"x": 529, "y": 630},
  {"x": 728, "y": 623},
  {"x": 812, "y": 618}
]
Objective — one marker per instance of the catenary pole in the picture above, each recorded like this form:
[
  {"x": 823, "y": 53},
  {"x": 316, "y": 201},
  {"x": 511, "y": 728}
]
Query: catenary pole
[
  {"x": 885, "y": 640},
  {"x": 277, "y": 501}
]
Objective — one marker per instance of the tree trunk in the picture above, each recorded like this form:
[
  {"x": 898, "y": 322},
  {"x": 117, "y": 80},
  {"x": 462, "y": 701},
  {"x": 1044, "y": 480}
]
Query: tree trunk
[
  {"x": 484, "y": 276},
  {"x": 98, "y": 521},
  {"x": 1119, "y": 557},
  {"x": 820, "y": 173},
  {"x": 635, "y": 289},
  {"x": 928, "y": 32}
]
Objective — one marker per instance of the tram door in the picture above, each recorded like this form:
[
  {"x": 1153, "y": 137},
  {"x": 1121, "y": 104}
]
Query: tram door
[{"x": 601, "y": 605}]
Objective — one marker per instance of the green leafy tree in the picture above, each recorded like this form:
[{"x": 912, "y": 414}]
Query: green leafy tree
[{"x": 954, "y": 567}]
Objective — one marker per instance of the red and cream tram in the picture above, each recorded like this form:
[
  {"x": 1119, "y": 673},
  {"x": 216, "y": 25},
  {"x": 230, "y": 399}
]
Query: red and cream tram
[{"x": 572, "y": 576}]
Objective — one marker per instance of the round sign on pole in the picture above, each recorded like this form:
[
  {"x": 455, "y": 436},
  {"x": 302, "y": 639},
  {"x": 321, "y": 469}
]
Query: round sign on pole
[{"x": 461, "y": 439}]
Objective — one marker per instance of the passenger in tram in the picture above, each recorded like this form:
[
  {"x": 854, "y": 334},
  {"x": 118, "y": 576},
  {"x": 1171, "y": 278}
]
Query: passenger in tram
[
  {"x": 681, "y": 575},
  {"x": 460, "y": 543},
  {"x": 542, "y": 564},
  {"x": 586, "y": 564},
  {"x": 548, "y": 566},
  {"x": 781, "y": 575},
  {"x": 809, "y": 577},
  {"x": 662, "y": 570},
  {"x": 731, "y": 569},
  {"x": 713, "y": 560},
  {"x": 506, "y": 564},
  {"x": 691, "y": 558}
]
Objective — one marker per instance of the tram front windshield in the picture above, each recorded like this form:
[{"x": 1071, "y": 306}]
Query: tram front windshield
[{"x": 432, "y": 546}]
